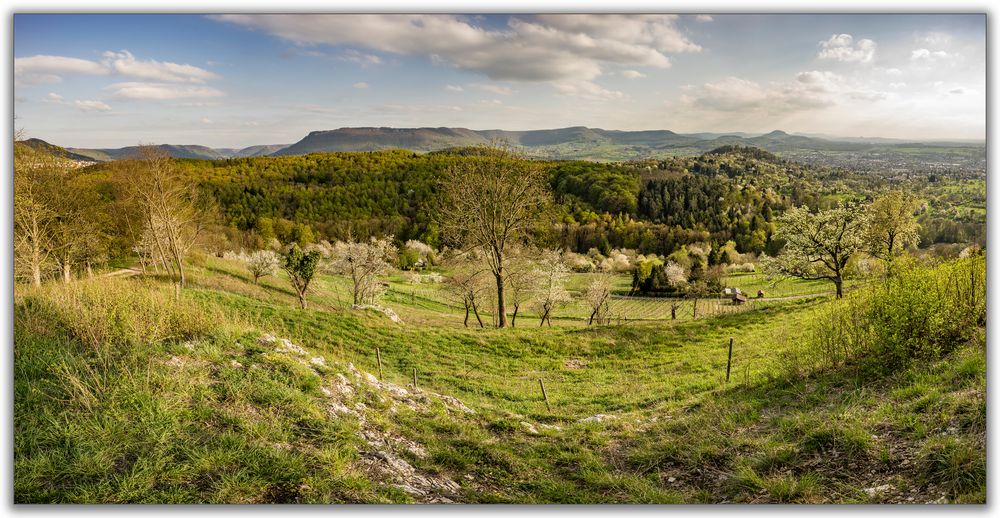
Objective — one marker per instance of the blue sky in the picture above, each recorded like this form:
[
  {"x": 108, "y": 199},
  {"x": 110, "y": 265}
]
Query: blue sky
[{"x": 239, "y": 80}]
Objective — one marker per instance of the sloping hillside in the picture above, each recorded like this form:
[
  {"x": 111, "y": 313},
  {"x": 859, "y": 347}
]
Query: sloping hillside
[{"x": 162, "y": 404}]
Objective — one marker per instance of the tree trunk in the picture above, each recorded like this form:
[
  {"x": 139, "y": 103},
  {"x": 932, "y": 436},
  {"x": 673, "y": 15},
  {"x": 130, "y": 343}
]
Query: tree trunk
[
  {"x": 476, "y": 311},
  {"x": 544, "y": 316},
  {"x": 90, "y": 271},
  {"x": 36, "y": 273},
  {"x": 302, "y": 299},
  {"x": 591, "y": 321},
  {"x": 501, "y": 303},
  {"x": 513, "y": 318},
  {"x": 67, "y": 272},
  {"x": 182, "y": 279},
  {"x": 839, "y": 282},
  {"x": 694, "y": 310},
  {"x": 673, "y": 312},
  {"x": 466, "y": 321}
]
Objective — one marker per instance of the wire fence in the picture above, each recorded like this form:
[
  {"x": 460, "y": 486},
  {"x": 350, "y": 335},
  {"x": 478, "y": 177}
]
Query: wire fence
[{"x": 620, "y": 309}]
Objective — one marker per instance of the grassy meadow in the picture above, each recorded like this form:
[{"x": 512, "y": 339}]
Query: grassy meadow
[{"x": 125, "y": 394}]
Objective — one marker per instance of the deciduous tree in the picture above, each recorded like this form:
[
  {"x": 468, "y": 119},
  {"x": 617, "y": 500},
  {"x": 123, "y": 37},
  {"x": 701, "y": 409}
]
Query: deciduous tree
[
  {"x": 366, "y": 263},
  {"x": 818, "y": 245},
  {"x": 892, "y": 224},
  {"x": 489, "y": 202},
  {"x": 262, "y": 263},
  {"x": 300, "y": 267},
  {"x": 598, "y": 297},
  {"x": 552, "y": 273}
]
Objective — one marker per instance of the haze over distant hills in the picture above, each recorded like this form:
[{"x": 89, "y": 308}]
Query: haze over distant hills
[{"x": 576, "y": 142}]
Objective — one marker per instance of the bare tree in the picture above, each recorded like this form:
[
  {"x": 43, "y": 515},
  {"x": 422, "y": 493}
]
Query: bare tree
[
  {"x": 523, "y": 280},
  {"x": 467, "y": 284},
  {"x": 174, "y": 212},
  {"x": 552, "y": 273},
  {"x": 34, "y": 214},
  {"x": 489, "y": 201},
  {"x": 597, "y": 297},
  {"x": 366, "y": 263}
]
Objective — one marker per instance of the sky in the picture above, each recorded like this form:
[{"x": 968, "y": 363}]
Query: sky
[{"x": 232, "y": 81}]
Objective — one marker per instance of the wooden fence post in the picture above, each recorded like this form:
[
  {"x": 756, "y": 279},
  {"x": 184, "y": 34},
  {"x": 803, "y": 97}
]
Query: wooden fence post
[
  {"x": 544, "y": 395},
  {"x": 729, "y": 362}
]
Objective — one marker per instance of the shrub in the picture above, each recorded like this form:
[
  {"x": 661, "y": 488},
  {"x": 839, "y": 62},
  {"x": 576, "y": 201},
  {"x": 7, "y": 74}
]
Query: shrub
[{"x": 919, "y": 313}]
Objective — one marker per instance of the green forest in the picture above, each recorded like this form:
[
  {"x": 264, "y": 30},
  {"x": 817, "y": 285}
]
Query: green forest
[{"x": 656, "y": 206}]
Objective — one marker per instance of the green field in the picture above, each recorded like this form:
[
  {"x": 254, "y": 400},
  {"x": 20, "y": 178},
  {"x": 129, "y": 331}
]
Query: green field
[{"x": 124, "y": 395}]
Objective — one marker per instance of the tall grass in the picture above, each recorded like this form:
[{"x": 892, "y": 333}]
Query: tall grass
[
  {"x": 113, "y": 318},
  {"x": 919, "y": 313}
]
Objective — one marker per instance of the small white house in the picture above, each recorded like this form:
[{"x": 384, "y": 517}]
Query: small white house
[{"x": 732, "y": 291}]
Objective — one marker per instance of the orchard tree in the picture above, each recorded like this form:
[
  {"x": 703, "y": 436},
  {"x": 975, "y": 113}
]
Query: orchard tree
[
  {"x": 818, "y": 245},
  {"x": 468, "y": 283},
  {"x": 263, "y": 263},
  {"x": 551, "y": 274},
  {"x": 892, "y": 224},
  {"x": 300, "y": 267},
  {"x": 598, "y": 297},
  {"x": 522, "y": 281},
  {"x": 489, "y": 202},
  {"x": 366, "y": 263}
]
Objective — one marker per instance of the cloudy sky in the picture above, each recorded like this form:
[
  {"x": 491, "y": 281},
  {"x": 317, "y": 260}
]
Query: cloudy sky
[{"x": 239, "y": 80}]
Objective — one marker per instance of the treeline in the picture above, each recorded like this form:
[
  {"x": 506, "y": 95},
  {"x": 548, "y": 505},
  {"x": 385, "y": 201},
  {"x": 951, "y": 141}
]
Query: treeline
[
  {"x": 334, "y": 196},
  {"x": 654, "y": 206}
]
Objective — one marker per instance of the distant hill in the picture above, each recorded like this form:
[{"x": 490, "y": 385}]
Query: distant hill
[
  {"x": 573, "y": 142},
  {"x": 179, "y": 151},
  {"x": 52, "y": 149},
  {"x": 374, "y": 139},
  {"x": 577, "y": 142}
]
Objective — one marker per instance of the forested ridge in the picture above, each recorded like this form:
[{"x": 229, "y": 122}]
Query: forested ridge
[{"x": 654, "y": 206}]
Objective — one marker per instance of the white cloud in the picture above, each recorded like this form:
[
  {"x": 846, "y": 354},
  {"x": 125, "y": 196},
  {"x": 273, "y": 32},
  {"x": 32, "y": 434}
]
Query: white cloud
[
  {"x": 360, "y": 58},
  {"x": 54, "y": 98},
  {"x": 50, "y": 69},
  {"x": 927, "y": 55},
  {"x": 496, "y": 89},
  {"x": 361, "y": 85},
  {"x": 841, "y": 47},
  {"x": 205, "y": 120},
  {"x": 92, "y": 106},
  {"x": 161, "y": 91},
  {"x": 588, "y": 90},
  {"x": 536, "y": 48},
  {"x": 454, "y": 88},
  {"x": 703, "y": 18},
  {"x": 124, "y": 63},
  {"x": 809, "y": 91},
  {"x": 632, "y": 74}
]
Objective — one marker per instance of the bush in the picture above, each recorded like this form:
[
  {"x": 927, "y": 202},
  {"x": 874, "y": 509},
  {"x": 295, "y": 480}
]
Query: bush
[{"x": 918, "y": 313}]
